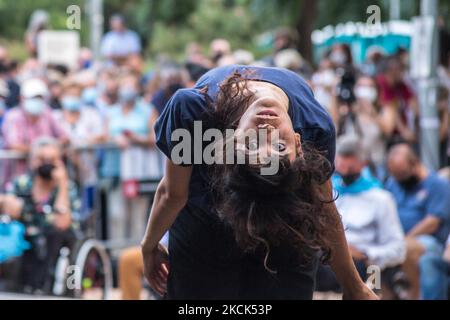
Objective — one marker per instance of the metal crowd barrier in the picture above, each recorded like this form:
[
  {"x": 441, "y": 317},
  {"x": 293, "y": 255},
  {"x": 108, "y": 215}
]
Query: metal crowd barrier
[{"x": 13, "y": 163}]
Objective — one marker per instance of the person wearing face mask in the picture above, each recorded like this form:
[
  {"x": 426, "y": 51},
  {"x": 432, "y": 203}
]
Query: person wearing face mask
[
  {"x": 398, "y": 102},
  {"x": 107, "y": 92},
  {"x": 49, "y": 200},
  {"x": 323, "y": 81},
  {"x": 374, "y": 233},
  {"x": 84, "y": 127},
  {"x": 363, "y": 119},
  {"x": 129, "y": 127},
  {"x": 33, "y": 119},
  {"x": 341, "y": 56},
  {"x": 26, "y": 123},
  {"x": 423, "y": 201}
]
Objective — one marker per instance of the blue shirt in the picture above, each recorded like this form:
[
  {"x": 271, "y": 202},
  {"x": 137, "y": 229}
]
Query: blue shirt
[
  {"x": 136, "y": 121},
  {"x": 430, "y": 197},
  {"x": 120, "y": 43}
]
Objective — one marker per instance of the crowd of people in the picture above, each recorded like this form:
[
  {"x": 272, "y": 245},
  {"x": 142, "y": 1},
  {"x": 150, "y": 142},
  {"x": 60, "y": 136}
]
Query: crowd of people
[{"x": 74, "y": 132}]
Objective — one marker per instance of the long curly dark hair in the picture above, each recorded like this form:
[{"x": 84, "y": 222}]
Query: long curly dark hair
[{"x": 266, "y": 211}]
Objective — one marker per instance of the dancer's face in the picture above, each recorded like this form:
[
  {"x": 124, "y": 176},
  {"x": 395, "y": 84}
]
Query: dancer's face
[{"x": 269, "y": 111}]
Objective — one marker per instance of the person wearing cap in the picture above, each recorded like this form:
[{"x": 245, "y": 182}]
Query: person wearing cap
[
  {"x": 120, "y": 43},
  {"x": 374, "y": 233},
  {"x": 31, "y": 119}
]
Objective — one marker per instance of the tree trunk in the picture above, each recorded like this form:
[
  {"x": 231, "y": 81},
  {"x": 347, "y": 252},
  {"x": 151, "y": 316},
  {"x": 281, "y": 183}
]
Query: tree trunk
[{"x": 304, "y": 27}]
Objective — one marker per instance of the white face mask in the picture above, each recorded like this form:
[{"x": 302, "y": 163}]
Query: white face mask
[
  {"x": 338, "y": 57},
  {"x": 366, "y": 93},
  {"x": 323, "y": 97},
  {"x": 34, "y": 106},
  {"x": 326, "y": 78}
]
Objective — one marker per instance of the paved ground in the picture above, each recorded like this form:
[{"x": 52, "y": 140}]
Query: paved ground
[
  {"x": 11, "y": 296},
  {"x": 115, "y": 295}
]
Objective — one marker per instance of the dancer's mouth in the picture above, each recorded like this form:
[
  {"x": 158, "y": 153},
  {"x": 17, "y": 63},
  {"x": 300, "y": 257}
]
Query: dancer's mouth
[{"x": 267, "y": 114}]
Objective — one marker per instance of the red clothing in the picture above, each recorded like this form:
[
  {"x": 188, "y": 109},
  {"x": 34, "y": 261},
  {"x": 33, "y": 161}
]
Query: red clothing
[
  {"x": 19, "y": 129},
  {"x": 400, "y": 95}
]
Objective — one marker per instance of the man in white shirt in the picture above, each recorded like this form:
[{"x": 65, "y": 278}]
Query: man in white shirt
[{"x": 369, "y": 214}]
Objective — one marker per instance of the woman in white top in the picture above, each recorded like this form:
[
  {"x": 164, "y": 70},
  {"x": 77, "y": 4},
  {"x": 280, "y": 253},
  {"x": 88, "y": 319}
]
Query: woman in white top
[
  {"x": 83, "y": 125},
  {"x": 367, "y": 121}
]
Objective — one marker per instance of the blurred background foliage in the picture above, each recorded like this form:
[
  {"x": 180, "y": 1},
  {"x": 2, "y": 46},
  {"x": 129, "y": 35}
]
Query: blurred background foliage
[{"x": 168, "y": 25}]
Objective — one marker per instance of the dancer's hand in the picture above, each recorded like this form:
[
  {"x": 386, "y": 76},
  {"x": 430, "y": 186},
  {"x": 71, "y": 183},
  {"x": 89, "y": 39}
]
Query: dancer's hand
[{"x": 156, "y": 268}]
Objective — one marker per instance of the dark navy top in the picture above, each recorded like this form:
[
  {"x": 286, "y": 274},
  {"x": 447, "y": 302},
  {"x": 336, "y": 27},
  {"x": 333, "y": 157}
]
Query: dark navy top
[{"x": 199, "y": 242}]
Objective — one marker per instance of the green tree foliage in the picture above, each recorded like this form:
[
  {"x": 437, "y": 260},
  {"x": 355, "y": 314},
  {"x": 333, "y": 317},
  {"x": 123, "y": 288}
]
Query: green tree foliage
[{"x": 168, "y": 25}]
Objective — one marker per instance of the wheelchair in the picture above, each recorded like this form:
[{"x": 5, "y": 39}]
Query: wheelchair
[{"x": 82, "y": 269}]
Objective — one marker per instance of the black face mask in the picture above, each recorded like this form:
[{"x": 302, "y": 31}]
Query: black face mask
[
  {"x": 348, "y": 179},
  {"x": 410, "y": 182},
  {"x": 216, "y": 57},
  {"x": 45, "y": 171}
]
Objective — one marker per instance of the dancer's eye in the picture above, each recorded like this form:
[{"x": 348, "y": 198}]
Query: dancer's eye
[
  {"x": 280, "y": 147},
  {"x": 252, "y": 145}
]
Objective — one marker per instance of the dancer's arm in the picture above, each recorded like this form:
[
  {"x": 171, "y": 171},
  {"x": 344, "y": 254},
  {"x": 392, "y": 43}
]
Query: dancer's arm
[
  {"x": 341, "y": 260},
  {"x": 171, "y": 196}
]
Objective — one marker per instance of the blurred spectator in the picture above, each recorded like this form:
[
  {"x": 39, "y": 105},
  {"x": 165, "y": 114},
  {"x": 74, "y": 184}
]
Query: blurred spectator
[
  {"x": 423, "y": 201},
  {"x": 129, "y": 126},
  {"x": 39, "y": 21},
  {"x": 194, "y": 54},
  {"x": 84, "y": 128},
  {"x": 120, "y": 43},
  {"x": 172, "y": 79},
  {"x": 443, "y": 106},
  {"x": 374, "y": 56},
  {"x": 341, "y": 56},
  {"x": 444, "y": 72},
  {"x": 131, "y": 271},
  {"x": 85, "y": 58},
  {"x": 363, "y": 119},
  {"x": 444, "y": 52},
  {"x": 324, "y": 81},
  {"x": 291, "y": 59},
  {"x": 87, "y": 80},
  {"x": 284, "y": 39},
  {"x": 398, "y": 102},
  {"x": 33, "y": 119},
  {"x": 107, "y": 92},
  {"x": 8, "y": 70},
  {"x": 243, "y": 57},
  {"x": 82, "y": 125},
  {"x": 374, "y": 234},
  {"x": 55, "y": 91},
  {"x": 49, "y": 199},
  {"x": 195, "y": 72},
  {"x": 221, "y": 52}
]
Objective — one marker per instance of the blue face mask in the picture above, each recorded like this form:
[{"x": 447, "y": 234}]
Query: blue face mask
[
  {"x": 34, "y": 106},
  {"x": 71, "y": 103},
  {"x": 2, "y": 105},
  {"x": 89, "y": 96},
  {"x": 128, "y": 94}
]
